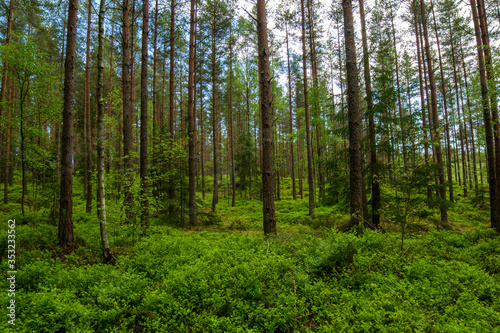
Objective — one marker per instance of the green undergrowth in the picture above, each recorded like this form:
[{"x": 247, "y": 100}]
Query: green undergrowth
[
  {"x": 305, "y": 279},
  {"x": 225, "y": 276}
]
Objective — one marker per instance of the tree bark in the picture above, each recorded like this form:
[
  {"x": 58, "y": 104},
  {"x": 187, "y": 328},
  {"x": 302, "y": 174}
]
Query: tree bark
[
  {"x": 155, "y": 45},
  {"x": 215, "y": 198},
  {"x": 144, "y": 116},
  {"x": 87, "y": 132},
  {"x": 101, "y": 193},
  {"x": 353, "y": 105},
  {"x": 435, "y": 119},
  {"x": 445, "y": 107},
  {"x": 65, "y": 229},
  {"x": 490, "y": 75},
  {"x": 192, "y": 118},
  {"x": 172, "y": 72},
  {"x": 267, "y": 122},
  {"x": 495, "y": 218},
  {"x": 375, "y": 201},
  {"x": 127, "y": 114},
  {"x": 294, "y": 191},
  {"x": 310, "y": 165}
]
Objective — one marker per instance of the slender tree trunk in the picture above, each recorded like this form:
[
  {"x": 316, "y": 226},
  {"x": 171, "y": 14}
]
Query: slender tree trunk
[
  {"x": 155, "y": 45},
  {"x": 101, "y": 194},
  {"x": 127, "y": 114},
  {"x": 267, "y": 122},
  {"x": 294, "y": 191},
  {"x": 490, "y": 75},
  {"x": 375, "y": 201},
  {"x": 65, "y": 229},
  {"x": 310, "y": 166},
  {"x": 398, "y": 87},
  {"x": 356, "y": 181},
  {"x": 110, "y": 89},
  {"x": 445, "y": 107},
  {"x": 87, "y": 133},
  {"x": 202, "y": 137},
  {"x": 215, "y": 198},
  {"x": 172, "y": 72},
  {"x": 231, "y": 138},
  {"x": 462, "y": 125},
  {"x": 144, "y": 116},
  {"x": 495, "y": 218},
  {"x": 435, "y": 121},
  {"x": 192, "y": 118},
  {"x": 316, "y": 110},
  {"x": 471, "y": 125},
  {"x": 5, "y": 65}
]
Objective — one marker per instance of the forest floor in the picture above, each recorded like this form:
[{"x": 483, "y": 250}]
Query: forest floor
[{"x": 225, "y": 276}]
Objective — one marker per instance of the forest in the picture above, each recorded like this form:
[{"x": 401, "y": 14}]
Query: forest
[{"x": 250, "y": 166}]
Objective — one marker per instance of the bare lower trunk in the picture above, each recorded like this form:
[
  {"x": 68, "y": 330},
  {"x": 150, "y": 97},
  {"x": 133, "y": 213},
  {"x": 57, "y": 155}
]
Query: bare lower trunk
[
  {"x": 144, "y": 117},
  {"x": 371, "y": 124},
  {"x": 65, "y": 229},
  {"x": 495, "y": 218},
  {"x": 192, "y": 118},
  {"x": 435, "y": 119},
  {"x": 356, "y": 182},
  {"x": 101, "y": 194},
  {"x": 310, "y": 165},
  {"x": 127, "y": 114},
  {"x": 267, "y": 122}
]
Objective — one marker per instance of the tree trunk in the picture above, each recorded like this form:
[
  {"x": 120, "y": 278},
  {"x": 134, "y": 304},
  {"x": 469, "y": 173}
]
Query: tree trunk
[
  {"x": 155, "y": 45},
  {"x": 294, "y": 191},
  {"x": 127, "y": 114},
  {"x": 231, "y": 138},
  {"x": 215, "y": 198},
  {"x": 476, "y": 183},
  {"x": 5, "y": 65},
  {"x": 445, "y": 106},
  {"x": 202, "y": 138},
  {"x": 435, "y": 119},
  {"x": 267, "y": 122},
  {"x": 192, "y": 118},
  {"x": 144, "y": 116},
  {"x": 101, "y": 194},
  {"x": 65, "y": 229},
  {"x": 310, "y": 166},
  {"x": 493, "y": 100},
  {"x": 172, "y": 72},
  {"x": 462, "y": 125},
  {"x": 316, "y": 110},
  {"x": 398, "y": 87},
  {"x": 110, "y": 89},
  {"x": 371, "y": 124},
  {"x": 87, "y": 133},
  {"x": 356, "y": 181},
  {"x": 494, "y": 205}
]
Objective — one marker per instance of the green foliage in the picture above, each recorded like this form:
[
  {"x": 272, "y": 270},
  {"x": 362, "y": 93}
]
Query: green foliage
[
  {"x": 246, "y": 163},
  {"x": 172, "y": 281}
]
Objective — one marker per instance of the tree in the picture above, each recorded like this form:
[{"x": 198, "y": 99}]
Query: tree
[
  {"x": 354, "y": 111},
  {"x": 144, "y": 116},
  {"x": 267, "y": 122},
  {"x": 490, "y": 153},
  {"x": 192, "y": 117},
  {"x": 87, "y": 135},
  {"x": 435, "y": 118},
  {"x": 310, "y": 166},
  {"x": 371, "y": 124},
  {"x": 127, "y": 112},
  {"x": 101, "y": 193},
  {"x": 65, "y": 230}
]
